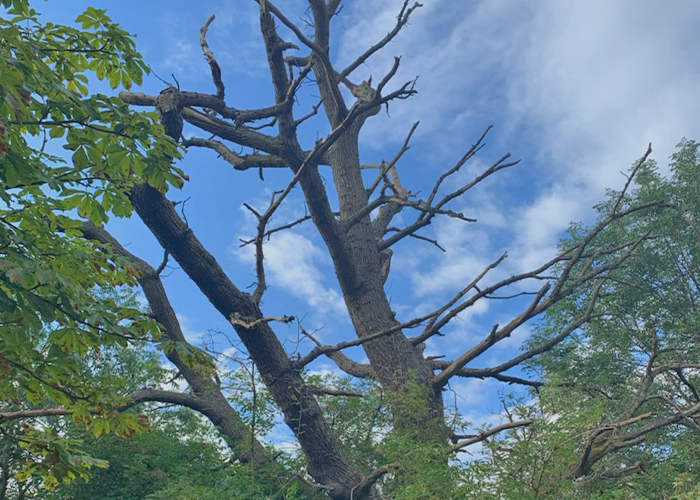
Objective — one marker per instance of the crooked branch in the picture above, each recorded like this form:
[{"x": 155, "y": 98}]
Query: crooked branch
[
  {"x": 482, "y": 436},
  {"x": 213, "y": 65}
]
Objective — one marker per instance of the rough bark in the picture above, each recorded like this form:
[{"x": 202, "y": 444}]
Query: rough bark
[
  {"x": 396, "y": 363},
  {"x": 326, "y": 463},
  {"x": 359, "y": 246},
  {"x": 211, "y": 402}
]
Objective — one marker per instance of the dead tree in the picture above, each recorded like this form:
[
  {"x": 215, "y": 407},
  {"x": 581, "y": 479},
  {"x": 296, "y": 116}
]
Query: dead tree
[{"x": 360, "y": 245}]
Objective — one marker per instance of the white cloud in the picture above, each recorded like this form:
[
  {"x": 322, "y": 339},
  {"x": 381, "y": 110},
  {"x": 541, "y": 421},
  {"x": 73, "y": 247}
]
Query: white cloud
[
  {"x": 234, "y": 38},
  {"x": 473, "y": 392},
  {"x": 192, "y": 335},
  {"x": 599, "y": 81},
  {"x": 293, "y": 262},
  {"x": 583, "y": 86}
]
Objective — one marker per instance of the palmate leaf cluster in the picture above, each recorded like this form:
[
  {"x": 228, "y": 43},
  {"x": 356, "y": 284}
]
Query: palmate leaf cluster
[{"x": 66, "y": 157}]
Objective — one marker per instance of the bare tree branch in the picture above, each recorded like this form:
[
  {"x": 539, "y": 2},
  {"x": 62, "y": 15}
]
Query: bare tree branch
[
  {"x": 237, "y": 320},
  {"x": 213, "y": 65},
  {"x": 188, "y": 99},
  {"x": 135, "y": 398},
  {"x": 239, "y": 162},
  {"x": 327, "y": 391},
  {"x": 346, "y": 364},
  {"x": 482, "y": 436},
  {"x": 425, "y": 217},
  {"x": 327, "y": 349},
  {"x": 266, "y": 5},
  {"x": 433, "y": 326},
  {"x": 401, "y": 20}
]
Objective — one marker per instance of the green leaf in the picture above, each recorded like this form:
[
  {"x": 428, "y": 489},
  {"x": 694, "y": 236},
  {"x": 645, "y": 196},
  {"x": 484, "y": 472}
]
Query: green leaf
[
  {"x": 80, "y": 159},
  {"x": 114, "y": 79},
  {"x": 56, "y": 132}
]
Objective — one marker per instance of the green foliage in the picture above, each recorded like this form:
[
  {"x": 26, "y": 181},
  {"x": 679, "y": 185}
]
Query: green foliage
[
  {"x": 146, "y": 463},
  {"x": 53, "y": 312},
  {"x": 43, "y": 454},
  {"x": 648, "y": 317}
]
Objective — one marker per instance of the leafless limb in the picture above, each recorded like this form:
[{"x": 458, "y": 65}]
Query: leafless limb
[
  {"x": 327, "y": 391},
  {"x": 215, "y": 68},
  {"x": 419, "y": 237},
  {"x": 327, "y": 349},
  {"x": 402, "y": 19},
  {"x": 467, "y": 156},
  {"x": 482, "y": 436},
  {"x": 271, "y": 123},
  {"x": 277, "y": 229},
  {"x": 245, "y": 323},
  {"x": 208, "y": 101},
  {"x": 439, "y": 364},
  {"x": 266, "y": 5},
  {"x": 426, "y": 216},
  {"x": 239, "y": 162},
  {"x": 313, "y": 112},
  {"x": 164, "y": 263},
  {"x": 419, "y": 205},
  {"x": 433, "y": 326},
  {"x": 345, "y": 364},
  {"x": 630, "y": 178},
  {"x": 531, "y": 353},
  {"x": 384, "y": 168}
]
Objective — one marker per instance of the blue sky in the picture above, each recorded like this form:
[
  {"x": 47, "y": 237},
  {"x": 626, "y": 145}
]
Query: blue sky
[{"x": 576, "y": 89}]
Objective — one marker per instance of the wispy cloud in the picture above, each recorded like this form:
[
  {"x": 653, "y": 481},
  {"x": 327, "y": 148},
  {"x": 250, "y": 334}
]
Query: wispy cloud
[
  {"x": 580, "y": 87},
  {"x": 191, "y": 333},
  {"x": 234, "y": 37},
  {"x": 296, "y": 264}
]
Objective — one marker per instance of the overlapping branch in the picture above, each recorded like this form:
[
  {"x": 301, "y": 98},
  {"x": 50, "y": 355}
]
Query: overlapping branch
[
  {"x": 218, "y": 410},
  {"x": 561, "y": 288},
  {"x": 435, "y": 208},
  {"x": 401, "y": 21},
  {"x": 483, "y": 436},
  {"x": 239, "y": 162},
  {"x": 343, "y": 362},
  {"x": 135, "y": 398}
]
